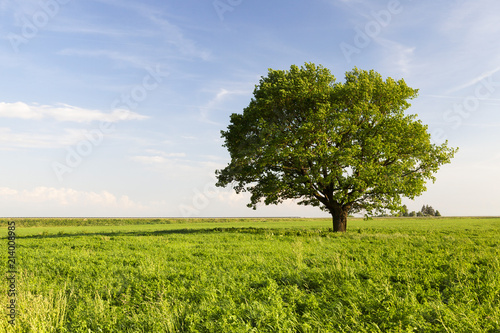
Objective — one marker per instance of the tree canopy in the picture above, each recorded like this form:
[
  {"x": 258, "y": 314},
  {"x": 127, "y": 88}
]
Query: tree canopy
[{"x": 344, "y": 147}]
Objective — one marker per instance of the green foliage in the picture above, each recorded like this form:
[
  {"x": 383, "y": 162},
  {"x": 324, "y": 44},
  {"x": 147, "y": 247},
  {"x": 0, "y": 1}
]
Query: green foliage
[
  {"x": 404, "y": 211},
  {"x": 340, "y": 146},
  {"x": 426, "y": 210},
  {"x": 396, "y": 275}
]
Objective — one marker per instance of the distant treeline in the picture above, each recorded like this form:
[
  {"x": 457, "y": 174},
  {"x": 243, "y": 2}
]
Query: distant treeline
[{"x": 426, "y": 210}]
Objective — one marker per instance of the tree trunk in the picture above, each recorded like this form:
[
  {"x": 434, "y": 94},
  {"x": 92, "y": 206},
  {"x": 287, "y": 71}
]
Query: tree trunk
[{"x": 339, "y": 217}]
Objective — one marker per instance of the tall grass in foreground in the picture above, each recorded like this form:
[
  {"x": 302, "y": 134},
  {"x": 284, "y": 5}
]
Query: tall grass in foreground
[{"x": 395, "y": 275}]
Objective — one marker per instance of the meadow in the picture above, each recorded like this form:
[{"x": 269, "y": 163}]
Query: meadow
[{"x": 255, "y": 275}]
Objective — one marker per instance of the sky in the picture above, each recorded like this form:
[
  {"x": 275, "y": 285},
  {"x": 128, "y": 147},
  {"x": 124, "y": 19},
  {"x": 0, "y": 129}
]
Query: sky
[{"x": 114, "y": 108}]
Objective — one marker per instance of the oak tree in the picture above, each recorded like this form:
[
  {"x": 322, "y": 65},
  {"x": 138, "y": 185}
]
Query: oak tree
[{"x": 344, "y": 147}]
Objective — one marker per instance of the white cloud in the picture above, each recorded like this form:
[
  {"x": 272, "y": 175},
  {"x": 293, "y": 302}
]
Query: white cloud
[
  {"x": 474, "y": 19},
  {"x": 164, "y": 154},
  {"x": 64, "y": 112},
  {"x": 12, "y": 140},
  {"x": 174, "y": 36},
  {"x": 150, "y": 159},
  {"x": 162, "y": 159},
  {"x": 221, "y": 96},
  {"x": 172, "y": 166},
  {"x": 136, "y": 61},
  {"x": 66, "y": 197},
  {"x": 483, "y": 76},
  {"x": 399, "y": 56},
  {"x": 470, "y": 32}
]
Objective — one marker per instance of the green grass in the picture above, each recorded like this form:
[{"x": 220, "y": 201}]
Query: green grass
[{"x": 265, "y": 275}]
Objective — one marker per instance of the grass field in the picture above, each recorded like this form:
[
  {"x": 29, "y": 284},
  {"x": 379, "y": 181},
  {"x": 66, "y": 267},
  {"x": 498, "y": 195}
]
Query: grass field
[{"x": 255, "y": 275}]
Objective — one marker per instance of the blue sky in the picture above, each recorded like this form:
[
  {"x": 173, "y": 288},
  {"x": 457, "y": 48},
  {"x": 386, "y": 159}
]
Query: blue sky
[{"x": 114, "y": 107}]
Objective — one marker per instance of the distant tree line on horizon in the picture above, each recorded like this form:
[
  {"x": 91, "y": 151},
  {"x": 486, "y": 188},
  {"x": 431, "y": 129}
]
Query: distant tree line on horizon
[{"x": 426, "y": 210}]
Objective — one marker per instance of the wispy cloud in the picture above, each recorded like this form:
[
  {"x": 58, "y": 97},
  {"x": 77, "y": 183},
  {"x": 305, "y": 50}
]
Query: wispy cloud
[
  {"x": 64, "y": 112},
  {"x": 67, "y": 197},
  {"x": 150, "y": 35},
  {"x": 82, "y": 28},
  {"x": 175, "y": 164},
  {"x": 135, "y": 60},
  {"x": 173, "y": 35},
  {"x": 397, "y": 54},
  {"x": 204, "y": 111},
  {"x": 470, "y": 49},
  {"x": 10, "y": 140},
  {"x": 484, "y": 125},
  {"x": 476, "y": 19},
  {"x": 155, "y": 159},
  {"x": 159, "y": 159},
  {"x": 475, "y": 80},
  {"x": 165, "y": 154},
  {"x": 220, "y": 97}
]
